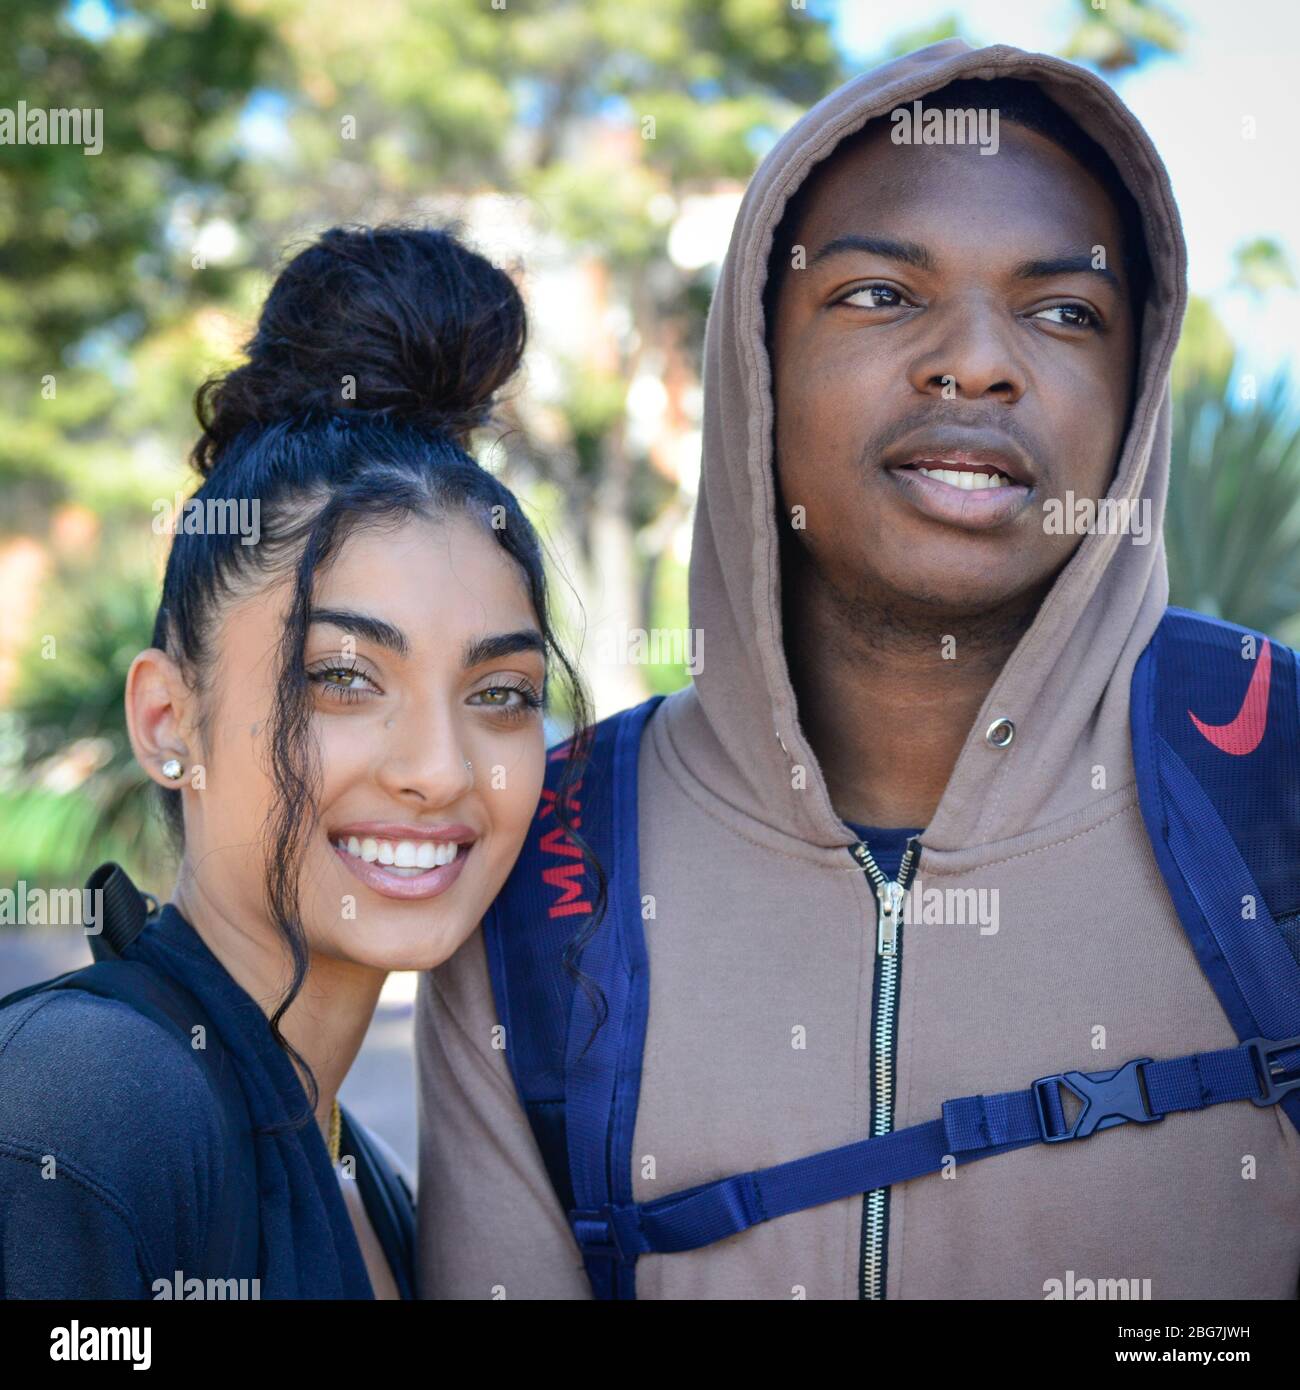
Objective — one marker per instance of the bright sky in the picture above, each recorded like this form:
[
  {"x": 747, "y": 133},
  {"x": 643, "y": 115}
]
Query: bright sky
[{"x": 1241, "y": 59}]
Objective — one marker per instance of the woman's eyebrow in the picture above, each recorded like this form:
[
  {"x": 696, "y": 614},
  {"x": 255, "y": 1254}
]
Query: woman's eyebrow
[
  {"x": 909, "y": 252},
  {"x": 375, "y": 630},
  {"x": 480, "y": 649}
]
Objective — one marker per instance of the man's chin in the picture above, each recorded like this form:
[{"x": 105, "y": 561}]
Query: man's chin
[{"x": 925, "y": 586}]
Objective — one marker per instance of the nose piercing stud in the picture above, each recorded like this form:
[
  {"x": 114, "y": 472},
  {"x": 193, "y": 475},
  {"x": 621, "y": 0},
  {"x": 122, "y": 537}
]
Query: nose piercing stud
[{"x": 173, "y": 769}]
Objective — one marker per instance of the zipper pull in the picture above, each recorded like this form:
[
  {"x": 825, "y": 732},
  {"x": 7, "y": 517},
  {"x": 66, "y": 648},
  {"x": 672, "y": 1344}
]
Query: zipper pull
[{"x": 890, "y": 897}]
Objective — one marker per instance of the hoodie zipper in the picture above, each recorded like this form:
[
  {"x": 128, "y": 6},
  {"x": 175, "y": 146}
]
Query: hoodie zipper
[{"x": 888, "y": 965}]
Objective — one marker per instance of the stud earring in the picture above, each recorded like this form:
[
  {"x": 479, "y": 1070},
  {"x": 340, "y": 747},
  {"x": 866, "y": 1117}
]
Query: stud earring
[
  {"x": 173, "y": 769},
  {"x": 469, "y": 766}
]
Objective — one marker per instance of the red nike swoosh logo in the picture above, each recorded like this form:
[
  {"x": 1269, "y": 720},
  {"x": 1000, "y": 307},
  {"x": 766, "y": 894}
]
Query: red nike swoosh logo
[{"x": 1243, "y": 734}]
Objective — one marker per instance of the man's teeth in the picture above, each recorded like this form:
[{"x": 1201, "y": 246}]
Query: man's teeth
[
  {"x": 964, "y": 479},
  {"x": 400, "y": 854}
]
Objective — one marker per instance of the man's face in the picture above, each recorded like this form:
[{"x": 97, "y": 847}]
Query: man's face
[{"x": 953, "y": 336}]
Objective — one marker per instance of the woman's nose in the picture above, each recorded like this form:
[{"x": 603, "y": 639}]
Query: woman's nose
[{"x": 425, "y": 758}]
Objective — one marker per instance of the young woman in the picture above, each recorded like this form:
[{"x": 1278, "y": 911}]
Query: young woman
[{"x": 343, "y": 709}]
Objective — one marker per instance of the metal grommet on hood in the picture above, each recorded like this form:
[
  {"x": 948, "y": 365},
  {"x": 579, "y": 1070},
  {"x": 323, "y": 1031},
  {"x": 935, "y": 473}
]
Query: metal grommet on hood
[{"x": 1000, "y": 733}]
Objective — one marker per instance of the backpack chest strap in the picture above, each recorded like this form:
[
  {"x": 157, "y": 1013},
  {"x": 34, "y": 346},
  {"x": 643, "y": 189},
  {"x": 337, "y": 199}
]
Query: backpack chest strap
[{"x": 972, "y": 1127}]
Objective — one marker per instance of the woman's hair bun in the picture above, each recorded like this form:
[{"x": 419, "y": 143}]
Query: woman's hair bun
[{"x": 426, "y": 330}]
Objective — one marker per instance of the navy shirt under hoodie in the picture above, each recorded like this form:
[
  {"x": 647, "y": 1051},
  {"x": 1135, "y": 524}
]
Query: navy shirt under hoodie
[
  {"x": 120, "y": 1111},
  {"x": 887, "y": 846}
]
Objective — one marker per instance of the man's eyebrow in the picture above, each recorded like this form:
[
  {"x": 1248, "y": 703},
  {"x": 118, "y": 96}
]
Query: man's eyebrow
[
  {"x": 913, "y": 254},
  {"x": 480, "y": 649},
  {"x": 909, "y": 252},
  {"x": 1065, "y": 265},
  {"x": 363, "y": 625}
]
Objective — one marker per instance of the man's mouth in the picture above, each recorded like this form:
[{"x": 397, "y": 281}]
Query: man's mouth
[
  {"x": 970, "y": 477},
  {"x": 404, "y": 862},
  {"x": 974, "y": 483}
]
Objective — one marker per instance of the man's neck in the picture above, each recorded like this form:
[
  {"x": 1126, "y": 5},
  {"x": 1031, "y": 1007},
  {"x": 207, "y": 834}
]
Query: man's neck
[{"x": 887, "y": 693}]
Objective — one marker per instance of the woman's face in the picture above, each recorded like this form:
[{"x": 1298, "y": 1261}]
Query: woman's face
[{"x": 425, "y": 666}]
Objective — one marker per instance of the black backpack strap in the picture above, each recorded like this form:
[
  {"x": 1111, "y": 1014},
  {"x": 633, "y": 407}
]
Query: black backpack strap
[
  {"x": 389, "y": 1203},
  {"x": 124, "y": 914},
  {"x": 232, "y": 1250}
]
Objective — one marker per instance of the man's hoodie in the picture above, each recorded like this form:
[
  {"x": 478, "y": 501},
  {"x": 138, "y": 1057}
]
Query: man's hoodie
[{"x": 762, "y": 946}]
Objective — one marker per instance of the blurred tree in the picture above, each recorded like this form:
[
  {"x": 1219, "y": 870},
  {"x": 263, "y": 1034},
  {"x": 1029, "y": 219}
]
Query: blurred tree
[
  {"x": 1119, "y": 34},
  {"x": 234, "y": 132},
  {"x": 1262, "y": 265},
  {"x": 604, "y": 114},
  {"x": 87, "y": 265}
]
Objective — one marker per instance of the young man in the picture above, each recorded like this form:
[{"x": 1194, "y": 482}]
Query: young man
[{"x": 918, "y": 355}]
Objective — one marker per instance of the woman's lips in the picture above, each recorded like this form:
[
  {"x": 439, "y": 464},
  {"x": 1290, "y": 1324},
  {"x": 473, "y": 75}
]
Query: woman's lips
[
  {"x": 976, "y": 509},
  {"x": 427, "y": 884}
]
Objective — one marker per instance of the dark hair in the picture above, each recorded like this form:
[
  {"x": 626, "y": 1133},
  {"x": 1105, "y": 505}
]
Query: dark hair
[
  {"x": 1026, "y": 104},
  {"x": 376, "y": 354}
]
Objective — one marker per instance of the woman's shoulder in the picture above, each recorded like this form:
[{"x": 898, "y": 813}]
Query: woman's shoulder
[
  {"x": 86, "y": 1073},
  {"x": 110, "y": 1148}
]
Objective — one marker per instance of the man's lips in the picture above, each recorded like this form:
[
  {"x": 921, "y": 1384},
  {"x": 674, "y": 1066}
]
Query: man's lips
[
  {"x": 986, "y": 451},
  {"x": 960, "y": 454}
]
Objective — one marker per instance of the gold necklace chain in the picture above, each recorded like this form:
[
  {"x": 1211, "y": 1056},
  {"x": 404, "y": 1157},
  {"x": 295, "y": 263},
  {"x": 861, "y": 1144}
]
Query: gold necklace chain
[{"x": 336, "y": 1131}]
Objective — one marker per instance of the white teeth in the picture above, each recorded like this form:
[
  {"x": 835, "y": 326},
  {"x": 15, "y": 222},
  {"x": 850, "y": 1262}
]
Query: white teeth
[
  {"x": 401, "y": 854},
  {"x": 962, "y": 478}
]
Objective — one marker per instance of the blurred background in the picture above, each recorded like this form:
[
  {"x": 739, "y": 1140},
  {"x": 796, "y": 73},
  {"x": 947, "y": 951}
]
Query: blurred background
[{"x": 598, "y": 148}]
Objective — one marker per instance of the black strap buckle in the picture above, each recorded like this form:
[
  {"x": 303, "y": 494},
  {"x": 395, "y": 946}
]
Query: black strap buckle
[
  {"x": 1109, "y": 1098},
  {"x": 1261, "y": 1049}
]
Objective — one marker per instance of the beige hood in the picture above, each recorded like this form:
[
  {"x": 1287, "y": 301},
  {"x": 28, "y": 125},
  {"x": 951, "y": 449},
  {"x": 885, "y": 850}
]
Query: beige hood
[{"x": 1066, "y": 685}]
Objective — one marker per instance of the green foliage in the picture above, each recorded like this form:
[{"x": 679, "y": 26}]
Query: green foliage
[
  {"x": 71, "y": 793},
  {"x": 1232, "y": 524}
]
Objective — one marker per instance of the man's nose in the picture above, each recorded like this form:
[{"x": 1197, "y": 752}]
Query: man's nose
[{"x": 970, "y": 352}]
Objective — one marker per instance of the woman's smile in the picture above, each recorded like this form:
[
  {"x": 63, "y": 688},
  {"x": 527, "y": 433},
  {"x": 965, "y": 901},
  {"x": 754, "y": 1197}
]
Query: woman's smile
[{"x": 404, "y": 861}]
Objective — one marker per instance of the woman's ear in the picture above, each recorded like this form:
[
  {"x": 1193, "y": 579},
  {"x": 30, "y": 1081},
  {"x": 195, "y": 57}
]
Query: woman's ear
[{"x": 159, "y": 710}]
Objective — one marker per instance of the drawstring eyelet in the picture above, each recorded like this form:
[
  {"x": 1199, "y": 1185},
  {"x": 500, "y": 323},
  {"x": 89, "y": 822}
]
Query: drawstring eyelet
[{"x": 1000, "y": 733}]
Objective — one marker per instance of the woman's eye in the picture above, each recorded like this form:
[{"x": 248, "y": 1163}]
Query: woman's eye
[
  {"x": 866, "y": 297},
  {"x": 350, "y": 682},
  {"x": 509, "y": 699},
  {"x": 1085, "y": 317}
]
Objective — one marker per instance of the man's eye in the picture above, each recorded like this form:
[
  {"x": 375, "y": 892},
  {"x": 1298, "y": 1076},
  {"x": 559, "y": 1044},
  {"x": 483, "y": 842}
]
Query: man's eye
[
  {"x": 874, "y": 297},
  {"x": 1077, "y": 315}
]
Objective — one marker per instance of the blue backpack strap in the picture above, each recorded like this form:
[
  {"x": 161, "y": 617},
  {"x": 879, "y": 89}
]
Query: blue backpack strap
[
  {"x": 970, "y": 1128},
  {"x": 1216, "y": 744},
  {"x": 579, "y": 1084},
  {"x": 232, "y": 1250}
]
